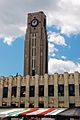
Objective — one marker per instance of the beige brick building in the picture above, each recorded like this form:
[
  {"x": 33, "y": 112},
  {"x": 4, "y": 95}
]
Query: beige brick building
[{"x": 57, "y": 90}]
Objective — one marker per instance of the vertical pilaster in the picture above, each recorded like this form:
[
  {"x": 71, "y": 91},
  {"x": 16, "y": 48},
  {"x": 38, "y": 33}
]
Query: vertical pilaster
[
  {"x": 76, "y": 76},
  {"x": 55, "y": 90},
  {"x": 36, "y": 90},
  {"x": 27, "y": 91},
  {"x": 46, "y": 90},
  {"x": 1, "y": 89},
  {"x": 9, "y": 90},
  {"x": 18, "y": 88},
  {"x": 66, "y": 91}
]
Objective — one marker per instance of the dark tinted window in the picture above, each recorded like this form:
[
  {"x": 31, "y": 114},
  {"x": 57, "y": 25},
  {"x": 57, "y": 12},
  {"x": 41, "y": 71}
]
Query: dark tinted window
[
  {"x": 22, "y": 91},
  {"x": 14, "y": 90},
  {"x": 79, "y": 89},
  {"x": 61, "y": 90},
  {"x": 45, "y": 23},
  {"x": 71, "y": 105},
  {"x": 50, "y": 90},
  {"x": 31, "y": 91},
  {"x": 5, "y": 92},
  {"x": 22, "y": 105},
  {"x": 33, "y": 72},
  {"x": 31, "y": 105},
  {"x": 41, "y": 105},
  {"x": 71, "y": 90},
  {"x": 13, "y": 105},
  {"x": 41, "y": 90}
]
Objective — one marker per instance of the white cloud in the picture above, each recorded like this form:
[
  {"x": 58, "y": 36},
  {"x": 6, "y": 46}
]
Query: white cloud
[
  {"x": 8, "y": 40},
  {"x": 53, "y": 55},
  {"x": 66, "y": 16},
  {"x": 57, "y": 39},
  {"x": 63, "y": 57},
  {"x": 63, "y": 13},
  {"x": 51, "y": 50},
  {"x": 61, "y": 66}
]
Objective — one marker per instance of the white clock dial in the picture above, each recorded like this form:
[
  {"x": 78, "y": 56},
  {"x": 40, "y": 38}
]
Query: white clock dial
[{"x": 34, "y": 22}]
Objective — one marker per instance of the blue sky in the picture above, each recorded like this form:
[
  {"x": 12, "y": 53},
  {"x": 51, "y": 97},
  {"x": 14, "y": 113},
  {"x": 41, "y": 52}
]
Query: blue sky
[
  {"x": 12, "y": 57},
  {"x": 63, "y": 28}
]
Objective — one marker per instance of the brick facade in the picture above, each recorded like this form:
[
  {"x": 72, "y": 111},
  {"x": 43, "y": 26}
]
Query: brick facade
[{"x": 56, "y": 100}]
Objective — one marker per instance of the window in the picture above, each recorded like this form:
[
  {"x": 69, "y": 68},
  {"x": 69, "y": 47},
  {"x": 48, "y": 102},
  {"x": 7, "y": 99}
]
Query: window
[
  {"x": 13, "y": 105},
  {"x": 33, "y": 42},
  {"x": 33, "y": 72},
  {"x": 50, "y": 90},
  {"x": 41, "y": 90},
  {"x": 22, "y": 105},
  {"x": 33, "y": 35},
  {"x": 41, "y": 104},
  {"x": 61, "y": 90},
  {"x": 22, "y": 91},
  {"x": 33, "y": 52},
  {"x": 79, "y": 89},
  {"x": 4, "y": 104},
  {"x": 14, "y": 90},
  {"x": 31, "y": 105},
  {"x": 5, "y": 92},
  {"x": 71, "y": 90},
  {"x": 33, "y": 63},
  {"x": 44, "y": 22},
  {"x": 61, "y": 104},
  {"x": 71, "y": 105},
  {"x": 31, "y": 91}
]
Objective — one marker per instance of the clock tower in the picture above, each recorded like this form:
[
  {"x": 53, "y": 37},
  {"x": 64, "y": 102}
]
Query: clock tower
[{"x": 36, "y": 45}]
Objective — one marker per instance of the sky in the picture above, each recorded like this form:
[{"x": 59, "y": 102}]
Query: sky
[{"x": 63, "y": 29}]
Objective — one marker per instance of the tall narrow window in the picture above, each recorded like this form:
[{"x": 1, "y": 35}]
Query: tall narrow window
[
  {"x": 5, "y": 92},
  {"x": 33, "y": 72},
  {"x": 79, "y": 89},
  {"x": 44, "y": 23},
  {"x": 14, "y": 90},
  {"x": 31, "y": 91},
  {"x": 33, "y": 39},
  {"x": 71, "y": 90},
  {"x": 50, "y": 90},
  {"x": 61, "y": 90},
  {"x": 33, "y": 64},
  {"x": 33, "y": 35},
  {"x": 22, "y": 91},
  {"x": 41, "y": 90},
  {"x": 33, "y": 52},
  {"x": 33, "y": 42}
]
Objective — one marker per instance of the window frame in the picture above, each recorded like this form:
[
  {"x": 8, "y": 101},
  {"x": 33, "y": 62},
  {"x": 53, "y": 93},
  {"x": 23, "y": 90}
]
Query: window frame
[
  {"x": 71, "y": 92},
  {"x": 31, "y": 92},
  {"x": 22, "y": 90},
  {"x": 41, "y": 92},
  {"x": 5, "y": 93},
  {"x": 14, "y": 91},
  {"x": 50, "y": 90},
  {"x": 60, "y": 89}
]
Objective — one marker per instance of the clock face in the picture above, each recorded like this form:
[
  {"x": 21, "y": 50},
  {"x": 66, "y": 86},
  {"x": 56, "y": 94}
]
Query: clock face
[{"x": 34, "y": 22}]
